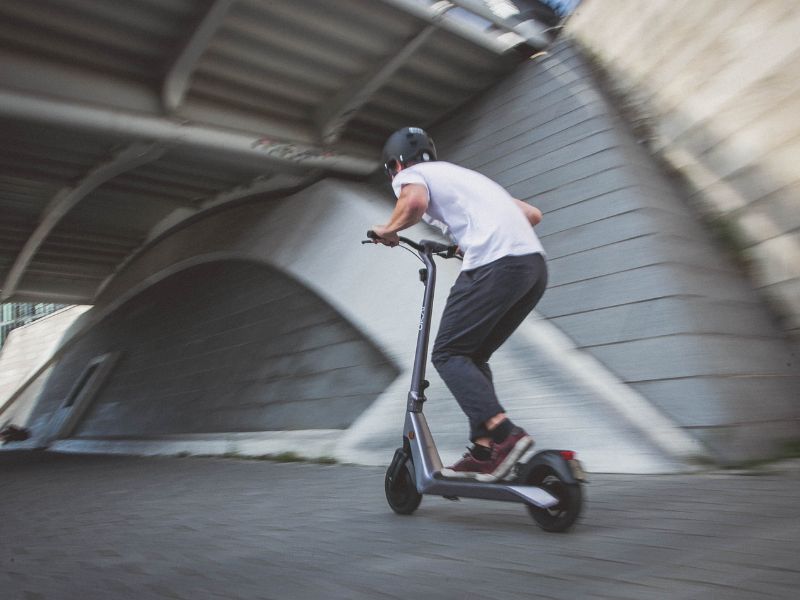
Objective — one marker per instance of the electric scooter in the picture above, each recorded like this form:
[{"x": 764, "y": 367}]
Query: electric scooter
[{"x": 548, "y": 483}]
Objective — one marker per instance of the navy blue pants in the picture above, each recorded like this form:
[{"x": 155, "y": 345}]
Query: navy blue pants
[{"x": 484, "y": 308}]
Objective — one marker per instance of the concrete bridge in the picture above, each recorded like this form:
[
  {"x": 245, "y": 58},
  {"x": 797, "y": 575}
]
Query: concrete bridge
[{"x": 205, "y": 190}]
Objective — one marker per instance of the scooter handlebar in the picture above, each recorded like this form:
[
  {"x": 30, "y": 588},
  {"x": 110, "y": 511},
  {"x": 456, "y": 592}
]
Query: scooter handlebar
[{"x": 433, "y": 247}]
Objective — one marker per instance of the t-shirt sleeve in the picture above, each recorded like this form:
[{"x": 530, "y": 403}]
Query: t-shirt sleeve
[{"x": 405, "y": 177}]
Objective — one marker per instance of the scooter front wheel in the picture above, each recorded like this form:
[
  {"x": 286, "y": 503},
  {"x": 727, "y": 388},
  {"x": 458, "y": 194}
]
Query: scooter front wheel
[
  {"x": 401, "y": 492},
  {"x": 562, "y": 516}
]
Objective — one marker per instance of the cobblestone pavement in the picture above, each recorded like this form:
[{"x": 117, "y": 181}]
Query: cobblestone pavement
[{"x": 100, "y": 527}]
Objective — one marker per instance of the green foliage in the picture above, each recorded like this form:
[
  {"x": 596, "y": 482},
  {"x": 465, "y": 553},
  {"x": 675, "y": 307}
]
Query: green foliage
[{"x": 281, "y": 457}]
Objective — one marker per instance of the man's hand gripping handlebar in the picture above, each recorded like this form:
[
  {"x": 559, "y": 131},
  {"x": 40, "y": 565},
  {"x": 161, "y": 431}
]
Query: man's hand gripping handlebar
[{"x": 436, "y": 248}]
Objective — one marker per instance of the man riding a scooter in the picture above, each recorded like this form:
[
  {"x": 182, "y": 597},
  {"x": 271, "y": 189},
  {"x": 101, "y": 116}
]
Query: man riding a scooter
[{"x": 503, "y": 277}]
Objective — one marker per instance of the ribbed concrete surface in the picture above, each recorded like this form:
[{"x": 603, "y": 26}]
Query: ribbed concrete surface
[
  {"x": 720, "y": 113},
  {"x": 378, "y": 291},
  {"x": 635, "y": 278}
]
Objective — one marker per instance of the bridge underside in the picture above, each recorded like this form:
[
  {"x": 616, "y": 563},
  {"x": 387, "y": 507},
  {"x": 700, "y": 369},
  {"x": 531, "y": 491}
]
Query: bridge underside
[{"x": 121, "y": 120}]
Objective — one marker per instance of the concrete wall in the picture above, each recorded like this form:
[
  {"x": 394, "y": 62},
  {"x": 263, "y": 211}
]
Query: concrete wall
[
  {"x": 225, "y": 346},
  {"x": 221, "y": 329},
  {"x": 26, "y": 349},
  {"x": 249, "y": 320},
  {"x": 635, "y": 279},
  {"x": 716, "y": 82}
]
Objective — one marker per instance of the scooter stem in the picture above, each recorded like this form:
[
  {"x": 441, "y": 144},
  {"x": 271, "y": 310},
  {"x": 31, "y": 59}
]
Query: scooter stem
[{"x": 416, "y": 395}]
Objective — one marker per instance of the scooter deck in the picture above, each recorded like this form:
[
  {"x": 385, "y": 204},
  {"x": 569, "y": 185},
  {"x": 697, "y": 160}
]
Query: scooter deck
[{"x": 503, "y": 491}]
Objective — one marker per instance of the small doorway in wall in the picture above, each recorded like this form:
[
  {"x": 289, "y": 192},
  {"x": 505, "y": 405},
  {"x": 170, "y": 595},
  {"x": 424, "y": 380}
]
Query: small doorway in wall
[{"x": 80, "y": 397}]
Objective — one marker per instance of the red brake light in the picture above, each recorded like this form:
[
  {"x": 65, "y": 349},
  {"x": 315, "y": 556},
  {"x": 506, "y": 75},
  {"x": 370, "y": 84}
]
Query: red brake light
[{"x": 567, "y": 454}]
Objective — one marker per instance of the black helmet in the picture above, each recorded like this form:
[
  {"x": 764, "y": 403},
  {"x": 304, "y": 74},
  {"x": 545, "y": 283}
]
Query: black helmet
[{"x": 405, "y": 146}]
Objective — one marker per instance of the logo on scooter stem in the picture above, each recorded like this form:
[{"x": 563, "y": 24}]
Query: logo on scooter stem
[{"x": 422, "y": 318}]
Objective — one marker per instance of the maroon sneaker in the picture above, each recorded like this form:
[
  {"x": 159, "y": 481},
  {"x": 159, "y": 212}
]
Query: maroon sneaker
[
  {"x": 470, "y": 467},
  {"x": 508, "y": 452}
]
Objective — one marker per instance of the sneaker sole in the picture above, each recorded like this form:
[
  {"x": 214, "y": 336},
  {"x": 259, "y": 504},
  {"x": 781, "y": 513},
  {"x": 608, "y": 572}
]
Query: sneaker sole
[
  {"x": 501, "y": 471},
  {"x": 482, "y": 477},
  {"x": 516, "y": 452}
]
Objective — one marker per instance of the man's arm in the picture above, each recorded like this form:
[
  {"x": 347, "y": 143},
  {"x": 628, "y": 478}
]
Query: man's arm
[
  {"x": 533, "y": 214},
  {"x": 411, "y": 205}
]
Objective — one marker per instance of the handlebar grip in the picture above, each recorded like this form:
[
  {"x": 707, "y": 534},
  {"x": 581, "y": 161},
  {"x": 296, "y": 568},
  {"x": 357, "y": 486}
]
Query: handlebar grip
[
  {"x": 376, "y": 239},
  {"x": 373, "y": 238}
]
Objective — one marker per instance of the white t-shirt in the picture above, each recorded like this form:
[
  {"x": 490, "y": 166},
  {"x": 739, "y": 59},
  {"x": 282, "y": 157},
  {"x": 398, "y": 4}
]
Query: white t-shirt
[{"x": 477, "y": 213}]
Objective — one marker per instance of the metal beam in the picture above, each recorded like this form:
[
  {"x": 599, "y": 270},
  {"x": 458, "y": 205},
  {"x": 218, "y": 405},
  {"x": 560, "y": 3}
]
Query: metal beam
[
  {"x": 534, "y": 33},
  {"x": 433, "y": 13},
  {"x": 333, "y": 116},
  {"x": 259, "y": 185},
  {"x": 175, "y": 132},
  {"x": 176, "y": 83},
  {"x": 66, "y": 198},
  {"x": 38, "y": 78},
  {"x": 180, "y": 216}
]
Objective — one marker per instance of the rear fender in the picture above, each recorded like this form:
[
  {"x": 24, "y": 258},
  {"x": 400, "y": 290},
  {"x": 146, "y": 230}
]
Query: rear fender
[{"x": 554, "y": 460}]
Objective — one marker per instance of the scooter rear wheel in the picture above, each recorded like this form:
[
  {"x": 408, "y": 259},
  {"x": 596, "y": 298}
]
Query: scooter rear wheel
[
  {"x": 401, "y": 493},
  {"x": 562, "y": 516}
]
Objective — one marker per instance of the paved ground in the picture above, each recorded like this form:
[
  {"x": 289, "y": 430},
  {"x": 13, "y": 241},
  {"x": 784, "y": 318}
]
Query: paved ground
[{"x": 94, "y": 527}]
